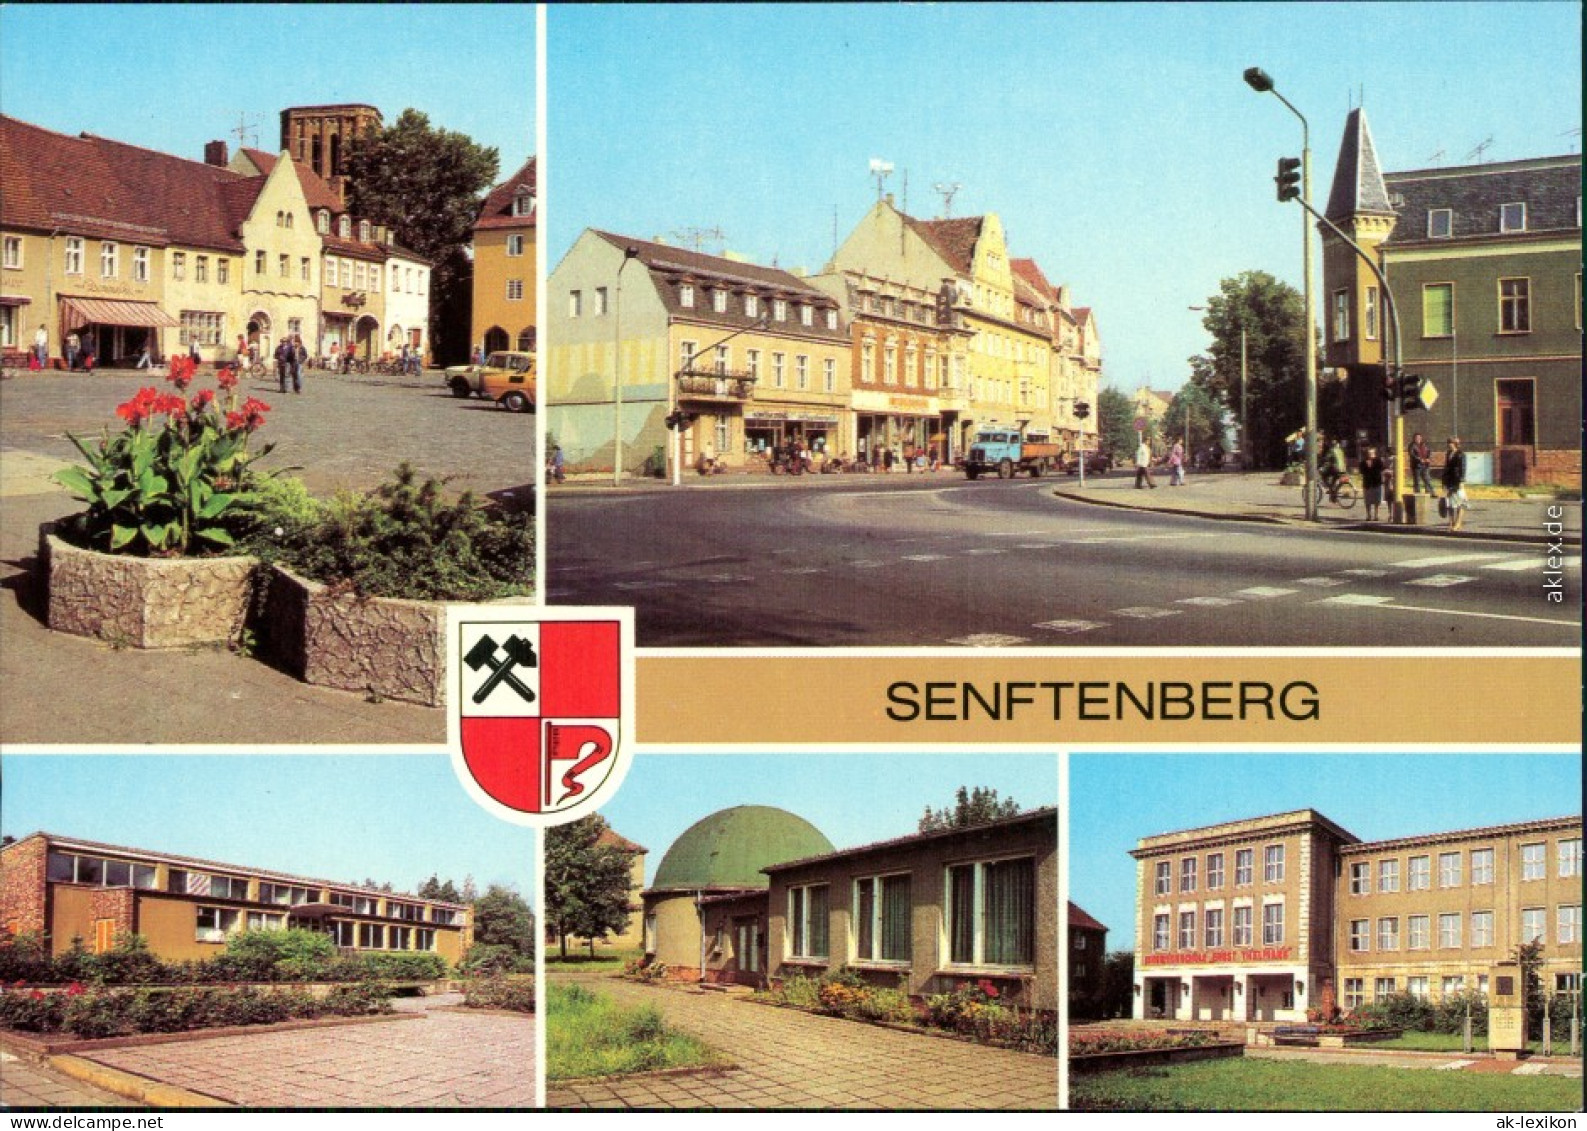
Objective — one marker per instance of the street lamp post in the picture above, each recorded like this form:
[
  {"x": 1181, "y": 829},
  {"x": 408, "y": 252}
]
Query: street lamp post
[
  {"x": 675, "y": 420},
  {"x": 629, "y": 253},
  {"x": 1259, "y": 81}
]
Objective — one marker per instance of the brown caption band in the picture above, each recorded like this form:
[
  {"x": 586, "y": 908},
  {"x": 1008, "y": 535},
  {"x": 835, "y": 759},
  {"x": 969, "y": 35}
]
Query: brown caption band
[{"x": 1446, "y": 698}]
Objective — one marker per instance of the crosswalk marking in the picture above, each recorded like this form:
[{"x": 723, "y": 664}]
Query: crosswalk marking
[
  {"x": 1070, "y": 627},
  {"x": 1440, "y": 580},
  {"x": 867, "y": 563},
  {"x": 1208, "y": 602},
  {"x": 802, "y": 570},
  {"x": 1320, "y": 582},
  {"x": 982, "y": 550},
  {"x": 1147, "y": 612},
  {"x": 1354, "y": 599},
  {"x": 643, "y": 584},
  {"x": 1263, "y": 591},
  {"x": 1366, "y": 572},
  {"x": 988, "y": 640},
  {"x": 727, "y": 578},
  {"x": 1445, "y": 559},
  {"x": 1519, "y": 564},
  {"x": 925, "y": 557}
]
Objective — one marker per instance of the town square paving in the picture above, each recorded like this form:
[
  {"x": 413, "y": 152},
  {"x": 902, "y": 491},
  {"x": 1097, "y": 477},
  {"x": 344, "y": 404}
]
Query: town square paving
[
  {"x": 24, "y": 1084},
  {"x": 341, "y": 433},
  {"x": 448, "y": 1058},
  {"x": 787, "y": 1059}
]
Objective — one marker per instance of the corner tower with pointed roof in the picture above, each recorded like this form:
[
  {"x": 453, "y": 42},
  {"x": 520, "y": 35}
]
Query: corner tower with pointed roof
[{"x": 1359, "y": 203}]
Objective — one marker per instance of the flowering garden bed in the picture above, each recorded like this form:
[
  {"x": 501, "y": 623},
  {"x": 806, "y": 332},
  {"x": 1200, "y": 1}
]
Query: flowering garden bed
[{"x": 1107, "y": 1050}]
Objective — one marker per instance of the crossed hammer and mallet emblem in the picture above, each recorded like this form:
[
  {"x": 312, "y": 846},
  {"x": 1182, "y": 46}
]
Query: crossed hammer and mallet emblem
[{"x": 519, "y": 652}]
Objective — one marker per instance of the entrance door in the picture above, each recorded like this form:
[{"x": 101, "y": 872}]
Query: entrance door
[{"x": 1515, "y": 402}]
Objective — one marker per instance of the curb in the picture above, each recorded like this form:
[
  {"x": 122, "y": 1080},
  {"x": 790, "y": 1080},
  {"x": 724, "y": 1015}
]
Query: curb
[
  {"x": 132, "y": 1087},
  {"x": 1354, "y": 527}
]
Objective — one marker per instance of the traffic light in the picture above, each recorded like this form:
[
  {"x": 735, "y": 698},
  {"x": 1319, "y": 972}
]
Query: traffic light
[
  {"x": 1288, "y": 178},
  {"x": 1391, "y": 389},
  {"x": 1410, "y": 391},
  {"x": 679, "y": 420},
  {"x": 1082, "y": 410}
]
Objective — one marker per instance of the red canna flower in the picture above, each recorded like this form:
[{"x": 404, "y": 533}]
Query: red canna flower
[
  {"x": 75, "y": 990},
  {"x": 226, "y": 378},
  {"x": 202, "y": 400},
  {"x": 140, "y": 407}
]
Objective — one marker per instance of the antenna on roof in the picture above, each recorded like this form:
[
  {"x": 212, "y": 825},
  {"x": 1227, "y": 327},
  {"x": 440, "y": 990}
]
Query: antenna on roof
[
  {"x": 244, "y": 128},
  {"x": 881, "y": 170},
  {"x": 1437, "y": 159},
  {"x": 696, "y": 237},
  {"x": 1572, "y": 133},
  {"x": 948, "y": 190},
  {"x": 1479, "y": 149}
]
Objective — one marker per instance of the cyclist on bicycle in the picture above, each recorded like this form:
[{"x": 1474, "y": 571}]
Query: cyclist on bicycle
[{"x": 1333, "y": 468}]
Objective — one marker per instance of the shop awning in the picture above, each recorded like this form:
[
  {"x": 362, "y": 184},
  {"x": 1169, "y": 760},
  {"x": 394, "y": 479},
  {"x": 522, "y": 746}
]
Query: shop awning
[
  {"x": 14, "y": 300},
  {"x": 114, "y": 312}
]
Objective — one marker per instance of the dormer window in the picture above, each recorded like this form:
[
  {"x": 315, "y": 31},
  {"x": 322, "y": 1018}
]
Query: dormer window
[
  {"x": 807, "y": 315},
  {"x": 523, "y": 203},
  {"x": 344, "y": 227},
  {"x": 832, "y": 320},
  {"x": 719, "y": 301},
  {"x": 686, "y": 295},
  {"x": 363, "y": 231},
  {"x": 323, "y": 222},
  {"x": 751, "y": 306},
  {"x": 1440, "y": 223},
  {"x": 1512, "y": 217},
  {"x": 779, "y": 310}
]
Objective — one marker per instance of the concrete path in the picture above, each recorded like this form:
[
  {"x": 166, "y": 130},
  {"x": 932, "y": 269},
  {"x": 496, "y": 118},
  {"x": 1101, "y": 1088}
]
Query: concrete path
[
  {"x": 784, "y": 1058},
  {"x": 1258, "y": 496},
  {"x": 448, "y": 1059},
  {"x": 24, "y": 1084}
]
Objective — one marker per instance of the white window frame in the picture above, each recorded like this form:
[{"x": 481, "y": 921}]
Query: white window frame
[
  {"x": 1568, "y": 852},
  {"x": 109, "y": 259},
  {"x": 1188, "y": 869},
  {"x": 1418, "y": 932},
  {"x": 1212, "y": 926},
  {"x": 1450, "y": 930},
  {"x": 802, "y": 372},
  {"x": 1244, "y": 862},
  {"x": 575, "y": 304},
  {"x": 978, "y": 925},
  {"x": 829, "y": 376},
  {"x": 799, "y": 941},
  {"x": 779, "y": 310},
  {"x": 807, "y": 314},
  {"x": 1272, "y": 932},
  {"x": 514, "y": 290},
  {"x": 1389, "y": 932},
  {"x": 1382, "y": 988},
  {"x": 779, "y": 367},
  {"x": 1187, "y": 929},
  {"x": 1214, "y": 871},
  {"x": 73, "y": 255},
  {"x": 1481, "y": 866},
  {"x": 1361, "y": 878},
  {"x": 1360, "y": 936},
  {"x": 686, "y": 295},
  {"x": 1389, "y": 874},
  {"x": 719, "y": 300},
  {"x": 1567, "y": 923},
  {"x": 878, "y": 882},
  {"x": 1161, "y": 931},
  {"x": 1242, "y": 925},
  {"x": 222, "y": 922},
  {"x": 1534, "y": 924},
  {"x": 1534, "y": 861},
  {"x": 13, "y": 252},
  {"x": 1481, "y": 929},
  {"x": 1440, "y": 223},
  {"x": 602, "y": 303},
  {"x": 1164, "y": 878},
  {"x": 751, "y": 306},
  {"x": 1450, "y": 870},
  {"x": 1512, "y": 216},
  {"x": 515, "y": 245},
  {"x": 1273, "y": 864},
  {"x": 1419, "y": 873}
]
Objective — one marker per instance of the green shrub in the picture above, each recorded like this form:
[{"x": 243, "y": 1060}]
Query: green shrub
[
  {"x": 128, "y": 962},
  {"x": 358, "y": 1000},
  {"x": 1395, "y": 1011},
  {"x": 404, "y": 541},
  {"x": 25, "y": 958},
  {"x": 1449, "y": 1015},
  {"x": 400, "y": 967},
  {"x": 644, "y": 970},
  {"x": 32, "y": 1011},
  {"x": 501, "y": 993}
]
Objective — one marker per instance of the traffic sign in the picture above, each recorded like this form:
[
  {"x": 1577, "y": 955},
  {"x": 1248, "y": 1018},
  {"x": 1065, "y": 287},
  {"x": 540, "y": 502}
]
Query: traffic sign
[
  {"x": 1140, "y": 423},
  {"x": 1429, "y": 395}
]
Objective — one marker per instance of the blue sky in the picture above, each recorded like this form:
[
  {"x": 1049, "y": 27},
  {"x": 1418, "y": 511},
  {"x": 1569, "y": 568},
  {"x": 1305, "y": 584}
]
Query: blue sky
[
  {"x": 853, "y": 798},
  {"x": 1115, "y": 799},
  {"x": 171, "y": 77},
  {"x": 341, "y": 817},
  {"x": 1117, "y": 142}
]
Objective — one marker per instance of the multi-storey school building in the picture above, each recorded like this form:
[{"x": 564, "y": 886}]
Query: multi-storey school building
[
  {"x": 69, "y": 889},
  {"x": 1251, "y": 919}
]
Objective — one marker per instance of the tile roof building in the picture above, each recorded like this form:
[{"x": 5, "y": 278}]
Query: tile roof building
[
  {"x": 503, "y": 312},
  {"x": 1088, "y": 954},
  {"x": 1484, "y": 262},
  {"x": 1253, "y": 920},
  {"x": 755, "y": 357},
  {"x": 68, "y": 889}
]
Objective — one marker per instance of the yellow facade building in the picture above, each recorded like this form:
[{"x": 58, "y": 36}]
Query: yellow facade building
[{"x": 504, "y": 265}]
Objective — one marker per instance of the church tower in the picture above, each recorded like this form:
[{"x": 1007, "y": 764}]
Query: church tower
[{"x": 318, "y": 136}]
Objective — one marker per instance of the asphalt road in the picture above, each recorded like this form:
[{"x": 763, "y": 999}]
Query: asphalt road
[{"x": 938, "y": 561}]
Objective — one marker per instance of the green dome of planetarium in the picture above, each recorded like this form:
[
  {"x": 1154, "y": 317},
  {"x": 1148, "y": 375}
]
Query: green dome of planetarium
[{"x": 729, "y": 848}]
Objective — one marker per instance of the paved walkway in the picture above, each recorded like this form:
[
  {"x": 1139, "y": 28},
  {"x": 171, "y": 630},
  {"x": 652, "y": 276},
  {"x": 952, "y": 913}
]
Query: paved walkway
[
  {"x": 784, "y": 1058},
  {"x": 27, "y": 1085},
  {"x": 448, "y": 1059},
  {"x": 1258, "y": 496}
]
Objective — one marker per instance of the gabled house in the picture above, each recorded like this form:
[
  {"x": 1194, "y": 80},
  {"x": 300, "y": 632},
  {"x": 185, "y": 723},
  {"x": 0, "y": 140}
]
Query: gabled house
[{"x": 504, "y": 265}]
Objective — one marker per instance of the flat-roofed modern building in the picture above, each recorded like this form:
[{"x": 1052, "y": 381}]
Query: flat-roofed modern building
[
  {"x": 1251, "y": 920},
  {"x": 68, "y": 889}
]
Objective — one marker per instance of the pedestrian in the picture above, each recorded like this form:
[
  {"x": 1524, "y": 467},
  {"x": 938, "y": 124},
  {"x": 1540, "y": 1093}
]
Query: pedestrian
[
  {"x": 1176, "y": 461},
  {"x": 41, "y": 346},
  {"x": 192, "y": 352},
  {"x": 1143, "y": 466},
  {"x": 1421, "y": 457},
  {"x": 1333, "y": 468},
  {"x": 242, "y": 349},
  {"x": 556, "y": 466},
  {"x": 887, "y": 459},
  {"x": 283, "y": 358},
  {"x": 1454, "y": 483},
  {"x": 336, "y": 356},
  {"x": 300, "y": 357},
  {"x": 1372, "y": 470},
  {"x": 74, "y": 346},
  {"x": 479, "y": 354},
  {"x": 144, "y": 360}
]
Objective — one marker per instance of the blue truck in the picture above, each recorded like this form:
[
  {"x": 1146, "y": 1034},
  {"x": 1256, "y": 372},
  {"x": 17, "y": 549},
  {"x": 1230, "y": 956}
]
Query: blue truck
[{"x": 1005, "y": 451}]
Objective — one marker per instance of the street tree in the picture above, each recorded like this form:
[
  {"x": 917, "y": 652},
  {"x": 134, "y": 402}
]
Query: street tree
[
  {"x": 504, "y": 918},
  {"x": 1205, "y": 418},
  {"x": 587, "y": 882},
  {"x": 970, "y": 807},
  {"x": 1118, "y": 983},
  {"x": 426, "y": 183},
  {"x": 1116, "y": 425},
  {"x": 1272, "y": 315}
]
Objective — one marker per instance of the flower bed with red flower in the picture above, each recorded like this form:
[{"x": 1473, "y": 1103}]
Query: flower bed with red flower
[{"x": 176, "y": 480}]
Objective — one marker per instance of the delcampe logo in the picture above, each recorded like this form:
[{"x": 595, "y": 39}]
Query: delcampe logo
[{"x": 540, "y": 706}]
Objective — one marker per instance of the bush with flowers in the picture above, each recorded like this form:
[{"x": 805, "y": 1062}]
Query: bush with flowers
[
  {"x": 1096, "y": 1042},
  {"x": 175, "y": 481},
  {"x": 979, "y": 1010}
]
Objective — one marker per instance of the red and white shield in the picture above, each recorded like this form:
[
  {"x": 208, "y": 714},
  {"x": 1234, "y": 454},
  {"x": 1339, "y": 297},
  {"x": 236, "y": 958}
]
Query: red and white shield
[{"x": 540, "y": 706}]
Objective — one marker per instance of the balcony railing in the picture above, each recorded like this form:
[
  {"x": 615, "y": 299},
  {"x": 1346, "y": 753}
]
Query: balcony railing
[{"x": 708, "y": 384}]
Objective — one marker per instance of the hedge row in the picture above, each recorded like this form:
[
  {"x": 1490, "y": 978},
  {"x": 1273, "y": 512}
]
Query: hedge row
[{"x": 96, "y": 1012}]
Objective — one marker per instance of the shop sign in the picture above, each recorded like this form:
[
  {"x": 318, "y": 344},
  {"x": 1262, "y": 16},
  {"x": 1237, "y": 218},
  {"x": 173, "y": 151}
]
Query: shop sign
[{"x": 1204, "y": 957}]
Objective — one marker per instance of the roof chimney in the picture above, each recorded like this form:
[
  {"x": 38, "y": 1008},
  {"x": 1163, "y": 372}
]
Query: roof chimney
[
  {"x": 889, "y": 199},
  {"x": 215, "y": 154}
]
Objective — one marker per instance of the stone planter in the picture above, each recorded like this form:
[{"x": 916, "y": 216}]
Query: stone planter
[
  {"x": 144, "y": 602},
  {"x": 1153, "y": 1058},
  {"x": 384, "y": 647}
]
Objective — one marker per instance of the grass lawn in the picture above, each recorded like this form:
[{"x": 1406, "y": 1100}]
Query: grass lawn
[
  {"x": 1451, "y": 1042},
  {"x": 604, "y": 959},
  {"x": 588, "y": 1035},
  {"x": 1268, "y": 1085}
]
